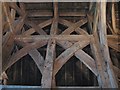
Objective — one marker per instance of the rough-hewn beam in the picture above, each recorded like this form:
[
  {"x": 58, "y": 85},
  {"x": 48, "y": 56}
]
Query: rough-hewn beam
[
  {"x": 48, "y": 65},
  {"x": 87, "y": 60},
  {"x": 42, "y": 25},
  {"x": 1, "y": 37},
  {"x": 68, "y": 24},
  {"x": 8, "y": 45},
  {"x": 47, "y": 37},
  {"x": 48, "y": 80},
  {"x": 114, "y": 19},
  {"x": 38, "y": 59},
  {"x": 74, "y": 26},
  {"x": 104, "y": 46},
  {"x": 22, "y": 52},
  {"x": 96, "y": 52},
  {"x": 114, "y": 45},
  {"x": 68, "y": 53},
  {"x": 60, "y": 37},
  {"x": 15, "y": 7},
  {"x": 37, "y": 13},
  {"x": 36, "y": 27},
  {"x": 117, "y": 71}
]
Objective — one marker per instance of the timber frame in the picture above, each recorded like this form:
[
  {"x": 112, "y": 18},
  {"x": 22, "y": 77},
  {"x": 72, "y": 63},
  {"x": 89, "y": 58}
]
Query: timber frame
[{"x": 101, "y": 65}]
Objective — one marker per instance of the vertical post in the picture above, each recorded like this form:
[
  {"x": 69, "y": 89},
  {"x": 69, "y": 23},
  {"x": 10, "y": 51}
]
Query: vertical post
[
  {"x": 48, "y": 80},
  {"x": 1, "y": 37},
  {"x": 104, "y": 45},
  {"x": 102, "y": 80}
]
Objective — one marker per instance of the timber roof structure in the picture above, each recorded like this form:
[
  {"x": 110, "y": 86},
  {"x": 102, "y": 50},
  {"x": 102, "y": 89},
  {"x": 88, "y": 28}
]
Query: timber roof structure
[{"x": 61, "y": 44}]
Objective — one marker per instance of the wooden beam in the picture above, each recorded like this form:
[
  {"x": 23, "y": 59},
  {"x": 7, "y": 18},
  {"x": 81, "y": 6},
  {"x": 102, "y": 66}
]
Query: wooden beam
[
  {"x": 67, "y": 54},
  {"x": 87, "y": 60},
  {"x": 102, "y": 79},
  {"x": 58, "y": 37},
  {"x": 47, "y": 37},
  {"x": 15, "y": 7},
  {"x": 37, "y": 13},
  {"x": 22, "y": 7},
  {"x": 114, "y": 19},
  {"x": 48, "y": 80},
  {"x": 39, "y": 87},
  {"x": 68, "y": 24},
  {"x": 36, "y": 27},
  {"x": 42, "y": 25},
  {"x": 48, "y": 65},
  {"x": 22, "y": 52},
  {"x": 117, "y": 71},
  {"x": 8, "y": 45},
  {"x": 1, "y": 17},
  {"x": 38, "y": 59},
  {"x": 104, "y": 46},
  {"x": 114, "y": 45},
  {"x": 20, "y": 24},
  {"x": 74, "y": 26}
]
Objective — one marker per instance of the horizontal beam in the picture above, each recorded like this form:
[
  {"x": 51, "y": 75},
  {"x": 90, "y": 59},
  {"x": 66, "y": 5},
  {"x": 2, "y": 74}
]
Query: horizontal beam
[
  {"x": 50, "y": 14},
  {"x": 57, "y": 37},
  {"x": 47, "y": 37},
  {"x": 38, "y": 87}
]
